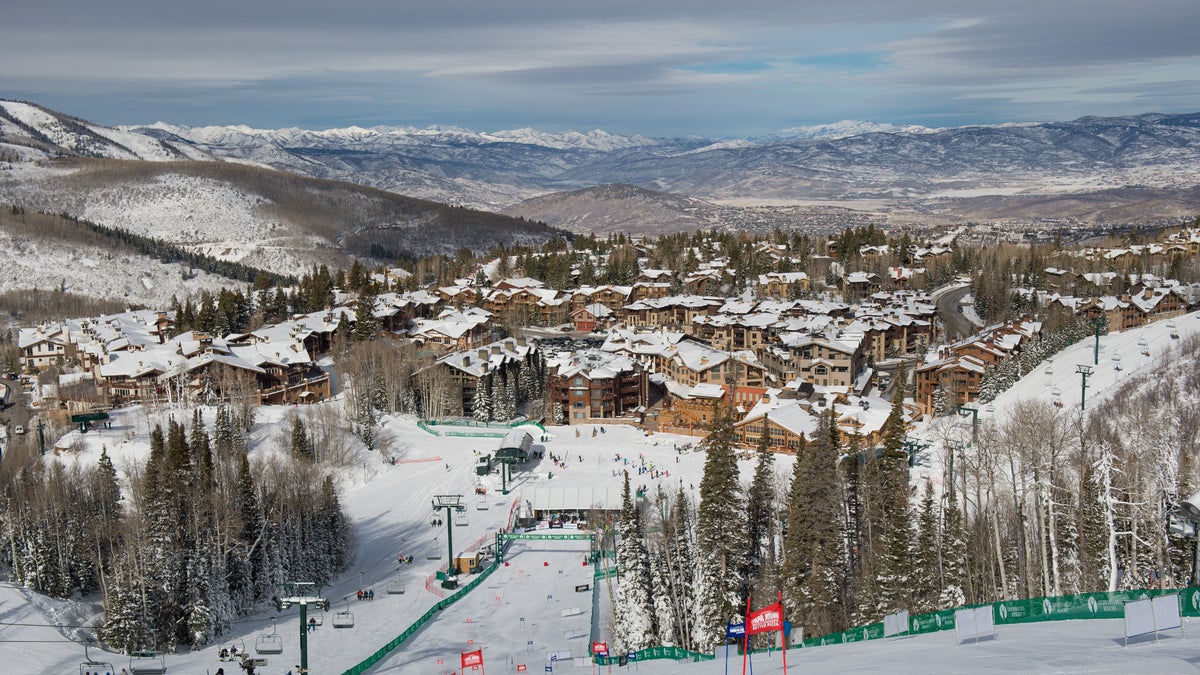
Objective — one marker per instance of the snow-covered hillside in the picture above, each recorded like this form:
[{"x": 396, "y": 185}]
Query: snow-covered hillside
[
  {"x": 530, "y": 609},
  {"x": 136, "y": 279}
]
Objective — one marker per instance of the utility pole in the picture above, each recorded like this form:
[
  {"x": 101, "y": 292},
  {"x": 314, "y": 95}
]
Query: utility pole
[
  {"x": 1083, "y": 370},
  {"x": 1097, "y": 323}
]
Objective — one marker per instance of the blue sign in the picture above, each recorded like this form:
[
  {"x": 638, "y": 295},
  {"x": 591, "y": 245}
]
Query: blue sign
[
  {"x": 632, "y": 656},
  {"x": 735, "y": 630},
  {"x": 554, "y": 657}
]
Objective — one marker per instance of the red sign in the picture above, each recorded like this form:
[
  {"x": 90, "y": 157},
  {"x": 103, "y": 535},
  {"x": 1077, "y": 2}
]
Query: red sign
[
  {"x": 474, "y": 658},
  {"x": 769, "y": 618},
  {"x": 520, "y": 667},
  {"x": 600, "y": 648}
]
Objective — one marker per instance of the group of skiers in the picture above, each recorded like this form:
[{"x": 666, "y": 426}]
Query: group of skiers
[{"x": 366, "y": 595}]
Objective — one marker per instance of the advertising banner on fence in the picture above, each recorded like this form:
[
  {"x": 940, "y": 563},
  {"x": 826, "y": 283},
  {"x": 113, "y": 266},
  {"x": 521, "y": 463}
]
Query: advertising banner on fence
[
  {"x": 600, "y": 648},
  {"x": 767, "y": 619}
]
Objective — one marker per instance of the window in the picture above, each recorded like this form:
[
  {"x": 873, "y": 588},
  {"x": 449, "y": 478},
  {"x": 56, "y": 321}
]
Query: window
[{"x": 578, "y": 382}]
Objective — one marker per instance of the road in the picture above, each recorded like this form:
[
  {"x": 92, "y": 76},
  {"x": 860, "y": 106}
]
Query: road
[{"x": 947, "y": 308}]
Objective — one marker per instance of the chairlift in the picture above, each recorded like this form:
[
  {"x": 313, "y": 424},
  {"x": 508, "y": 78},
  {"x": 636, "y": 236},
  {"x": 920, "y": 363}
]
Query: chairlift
[
  {"x": 1143, "y": 342},
  {"x": 481, "y": 504},
  {"x": 1056, "y": 392},
  {"x": 395, "y": 588},
  {"x": 460, "y": 518},
  {"x": 147, "y": 663},
  {"x": 344, "y": 619},
  {"x": 269, "y": 643},
  {"x": 91, "y": 666}
]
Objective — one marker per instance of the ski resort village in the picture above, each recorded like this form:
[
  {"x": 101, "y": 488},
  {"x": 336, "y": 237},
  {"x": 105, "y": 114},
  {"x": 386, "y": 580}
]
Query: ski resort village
[{"x": 685, "y": 454}]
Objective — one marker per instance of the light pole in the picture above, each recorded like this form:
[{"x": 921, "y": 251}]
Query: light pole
[
  {"x": 1083, "y": 370},
  {"x": 449, "y": 503}
]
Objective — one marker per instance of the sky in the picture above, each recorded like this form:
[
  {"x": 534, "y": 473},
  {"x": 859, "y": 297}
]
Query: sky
[{"x": 710, "y": 68}]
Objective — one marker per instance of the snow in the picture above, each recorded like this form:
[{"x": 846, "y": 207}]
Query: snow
[{"x": 390, "y": 507}]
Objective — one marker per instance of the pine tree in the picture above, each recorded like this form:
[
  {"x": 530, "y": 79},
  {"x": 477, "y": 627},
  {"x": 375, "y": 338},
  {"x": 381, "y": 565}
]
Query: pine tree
[
  {"x": 481, "y": 407},
  {"x": 954, "y": 552},
  {"x": 719, "y": 534},
  {"x": 301, "y": 448},
  {"x": 926, "y": 576},
  {"x": 895, "y": 581},
  {"x": 633, "y": 616},
  {"x": 760, "y": 511},
  {"x": 812, "y": 557}
]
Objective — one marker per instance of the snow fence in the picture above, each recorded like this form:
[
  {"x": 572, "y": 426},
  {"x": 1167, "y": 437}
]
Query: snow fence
[{"x": 1033, "y": 610}]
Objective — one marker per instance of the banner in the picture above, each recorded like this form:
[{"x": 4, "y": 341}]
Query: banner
[
  {"x": 474, "y": 658},
  {"x": 769, "y": 618},
  {"x": 735, "y": 630},
  {"x": 600, "y": 648}
]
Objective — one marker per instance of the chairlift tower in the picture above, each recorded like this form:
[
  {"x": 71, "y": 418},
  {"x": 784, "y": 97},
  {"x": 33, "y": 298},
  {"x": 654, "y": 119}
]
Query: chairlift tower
[
  {"x": 967, "y": 411},
  {"x": 449, "y": 503},
  {"x": 1084, "y": 371},
  {"x": 302, "y": 593}
]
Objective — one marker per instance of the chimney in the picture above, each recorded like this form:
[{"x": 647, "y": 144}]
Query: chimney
[
  {"x": 482, "y": 353},
  {"x": 466, "y": 361},
  {"x": 495, "y": 349}
]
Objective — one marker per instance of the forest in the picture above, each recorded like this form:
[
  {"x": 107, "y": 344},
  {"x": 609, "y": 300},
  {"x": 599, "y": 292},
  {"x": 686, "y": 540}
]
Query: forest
[{"x": 1042, "y": 502}]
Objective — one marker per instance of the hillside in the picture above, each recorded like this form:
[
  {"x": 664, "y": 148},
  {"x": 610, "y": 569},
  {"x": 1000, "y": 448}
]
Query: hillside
[
  {"x": 389, "y": 505},
  {"x": 277, "y": 221},
  {"x": 51, "y": 253},
  {"x": 635, "y": 210}
]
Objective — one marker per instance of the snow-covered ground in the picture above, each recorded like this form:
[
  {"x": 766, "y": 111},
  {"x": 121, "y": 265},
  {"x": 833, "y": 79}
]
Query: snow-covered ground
[
  {"x": 391, "y": 508},
  {"x": 1123, "y": 356}
]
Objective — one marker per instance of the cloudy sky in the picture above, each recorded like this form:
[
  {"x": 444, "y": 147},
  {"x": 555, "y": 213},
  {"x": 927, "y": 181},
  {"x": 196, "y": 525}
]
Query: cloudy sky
[{"x": 714, "y": 68}]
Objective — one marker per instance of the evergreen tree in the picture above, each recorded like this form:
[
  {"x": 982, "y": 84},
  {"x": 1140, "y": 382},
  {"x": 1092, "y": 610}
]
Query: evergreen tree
[
  {"x": 926, "y": 576},
  {"x": 301, "y": 448},
  {"x": 481, "y": 407},
  {"x": 954, "y": 552},
  {"x": 719, "y": 534},
  {"x": 633, "y": 612},
  {"x": 366, "y": 326},
  {"x": 812, "y": 561},
  {"x": 760, "y": 511}
]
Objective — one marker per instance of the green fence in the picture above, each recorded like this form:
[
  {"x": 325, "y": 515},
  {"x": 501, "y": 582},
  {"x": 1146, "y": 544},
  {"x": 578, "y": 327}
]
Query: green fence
[
  {"x": 655, "y": 653},
  {"x": 383, "y": 651},
  {"x": 1058, "y": 608}
]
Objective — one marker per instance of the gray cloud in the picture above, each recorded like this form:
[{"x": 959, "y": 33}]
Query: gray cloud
[{"x": 648, "y": 67}]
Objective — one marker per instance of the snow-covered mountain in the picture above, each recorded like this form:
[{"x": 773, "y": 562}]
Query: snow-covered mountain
[
  {"x": 848, "y": 161},
  {"x": 1023, "y": 170},
  {"x": 844, "y": 129}
]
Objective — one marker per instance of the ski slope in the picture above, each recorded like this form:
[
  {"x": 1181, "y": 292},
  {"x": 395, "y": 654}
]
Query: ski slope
[{"x": 390, "y": 506}]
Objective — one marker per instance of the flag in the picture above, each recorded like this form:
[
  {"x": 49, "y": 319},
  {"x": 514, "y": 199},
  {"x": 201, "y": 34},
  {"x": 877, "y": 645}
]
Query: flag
[
  {"x": 600, "y": 648},
  {"x": 769, "y": 618},
  {"x": 474, "y": 658}
]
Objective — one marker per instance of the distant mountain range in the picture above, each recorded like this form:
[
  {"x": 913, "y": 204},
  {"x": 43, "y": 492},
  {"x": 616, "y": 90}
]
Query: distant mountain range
[
  {"x": 172, "y": 189},
  {"x": 1142, "y": 167}
]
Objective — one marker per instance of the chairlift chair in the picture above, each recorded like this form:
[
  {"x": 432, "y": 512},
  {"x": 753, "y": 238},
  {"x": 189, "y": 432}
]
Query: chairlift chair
[
  {"x": 344, "y": 619},
  {"x": 269, "y": 643},
  {"x": 395, "y": 588},
  {"x": 460, "y": 516},
  {"x": 147, "y": 663},
  {"x": 91, "y": 666}
]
